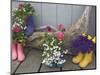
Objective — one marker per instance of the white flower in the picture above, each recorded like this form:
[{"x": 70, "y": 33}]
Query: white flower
[
  {"x": 47, "y": 62},
  {"x": 44, "y": 53},
  {"x": 13, "y": 26},
  {"x": 47, "y": 48},
  {"x": 48, "y": 55},
  {"x": 55, "y": 46},
  {"x": 57, "y": 58},
  {"x": 58, "y": 53},
  {"x": 43, "y": 61},
  {"x": 25, "y": 27},
  {"x": 44, "y": 44},
  {"x": 24, "y": 9},
  {"x": 59, "y": 48},
  {"x": 60, "y": 42},
  {"x": 50, "y": 58},
  {"x": 51, "y": 49},
  {"x": 21, "y": 22},
  {"x": 51, "y": 43},
  {"x": 65, "y": 52},
  {"x": 62, "y": 55},
  {"x": 61, "y": 61}
]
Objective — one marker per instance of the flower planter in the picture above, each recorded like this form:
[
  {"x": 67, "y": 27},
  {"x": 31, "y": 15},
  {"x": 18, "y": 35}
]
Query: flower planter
[
  {"x": 53, "y": 46},
  {"x": 30, "y": 26}
]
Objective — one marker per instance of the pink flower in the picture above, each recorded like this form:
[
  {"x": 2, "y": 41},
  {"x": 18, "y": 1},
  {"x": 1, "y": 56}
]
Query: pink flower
[
  {"x": 17, "y": 28},
  {"x": 60, "y": 35},
  {"x": 20, "y": 6},
  {"x": 48, "y": 28},
  {"x": 60, "y": 27}
]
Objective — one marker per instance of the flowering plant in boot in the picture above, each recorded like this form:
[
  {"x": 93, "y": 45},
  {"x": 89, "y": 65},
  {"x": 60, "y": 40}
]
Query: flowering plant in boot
[
  {"x": 19, "y": 26},
  {"x": 53, "y": 55},
  {"x": 84, "y": 46},
  {"x": 83, "y": 43}
]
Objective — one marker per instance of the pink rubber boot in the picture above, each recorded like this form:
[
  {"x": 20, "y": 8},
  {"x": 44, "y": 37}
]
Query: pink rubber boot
[
  {"x": 20, "y": 52},
  {"x": 14, "y": 51}
]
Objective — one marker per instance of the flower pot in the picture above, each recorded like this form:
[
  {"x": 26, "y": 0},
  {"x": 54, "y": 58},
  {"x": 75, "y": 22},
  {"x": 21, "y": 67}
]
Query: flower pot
[
  {"x": 14, "y": 50},
  {"x": 30, "y": 26},
  {"x": 54, "y": 65},
  {"x": 20, "y": 52}
]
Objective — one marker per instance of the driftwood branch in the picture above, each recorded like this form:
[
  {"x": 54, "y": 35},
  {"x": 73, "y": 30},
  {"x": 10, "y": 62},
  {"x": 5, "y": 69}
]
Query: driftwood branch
[{"x": 74, "y": 30}]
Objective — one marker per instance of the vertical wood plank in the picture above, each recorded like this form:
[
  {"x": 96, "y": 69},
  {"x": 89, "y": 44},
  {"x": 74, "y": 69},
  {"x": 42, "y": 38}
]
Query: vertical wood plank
[
  {"x": 64, "y": 14},
  {"x": 77, "y": 11},
  {"x": 92, "y": 21},
  {"x": 48, "y": 14},
  {"x": 38, "y": 14}
]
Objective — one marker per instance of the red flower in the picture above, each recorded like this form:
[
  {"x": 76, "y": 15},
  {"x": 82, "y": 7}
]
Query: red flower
[
  {"x": 60, "y": 35},
  {"x": 60, "y": 27},
  {"x": 48, "y": 28},
  {"x": 17, "y": 28}
]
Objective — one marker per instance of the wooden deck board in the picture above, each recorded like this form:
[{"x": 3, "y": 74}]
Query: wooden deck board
[
  {"x": 45, "y": 68},
  {"x": 15, "y": 64},
  {"x": 32, "y": 62},
  {"x": 69, "y": 65}
]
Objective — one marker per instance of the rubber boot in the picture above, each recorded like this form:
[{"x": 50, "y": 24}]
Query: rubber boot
[
  {"x": 88, "y": 57},
  {"x": 14, "y": 51},
  {"x": 77, "y": 58},
  {"x": 21, "y": 55}
]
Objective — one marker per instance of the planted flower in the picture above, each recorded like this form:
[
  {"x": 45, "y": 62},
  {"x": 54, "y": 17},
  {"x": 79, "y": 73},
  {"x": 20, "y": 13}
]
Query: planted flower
[
  {"x": 60, "y": 35},
  {"x": 23, "y": 22},
  {"x": 17, "y": 28},
  {"x": 53, "y": 46}
]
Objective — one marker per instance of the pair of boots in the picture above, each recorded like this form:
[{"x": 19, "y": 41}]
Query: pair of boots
[
  {"x": 17, "y": 52},
  {"x": 83, "y": 59}
]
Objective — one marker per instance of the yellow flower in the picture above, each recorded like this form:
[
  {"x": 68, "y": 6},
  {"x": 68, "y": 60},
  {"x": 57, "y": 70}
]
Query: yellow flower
[
  {"x": 83, "y": 34},
  {"x": 94, "y": 40},
  {"x": 89, "y": 37}
]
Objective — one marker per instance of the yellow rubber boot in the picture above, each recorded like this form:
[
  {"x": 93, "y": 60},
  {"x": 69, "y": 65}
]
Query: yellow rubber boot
[
  {"x": 77, "y": 58},
  {"x": 88, "y": 57}
]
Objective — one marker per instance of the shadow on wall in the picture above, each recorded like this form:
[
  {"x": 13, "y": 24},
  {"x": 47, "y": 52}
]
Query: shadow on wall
[{"x": 92, "y": 21}]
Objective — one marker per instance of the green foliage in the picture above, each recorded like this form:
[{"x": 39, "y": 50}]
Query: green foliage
[
  {"x": 53, "y": 51},
  {"x": 20, "y": 17}
]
